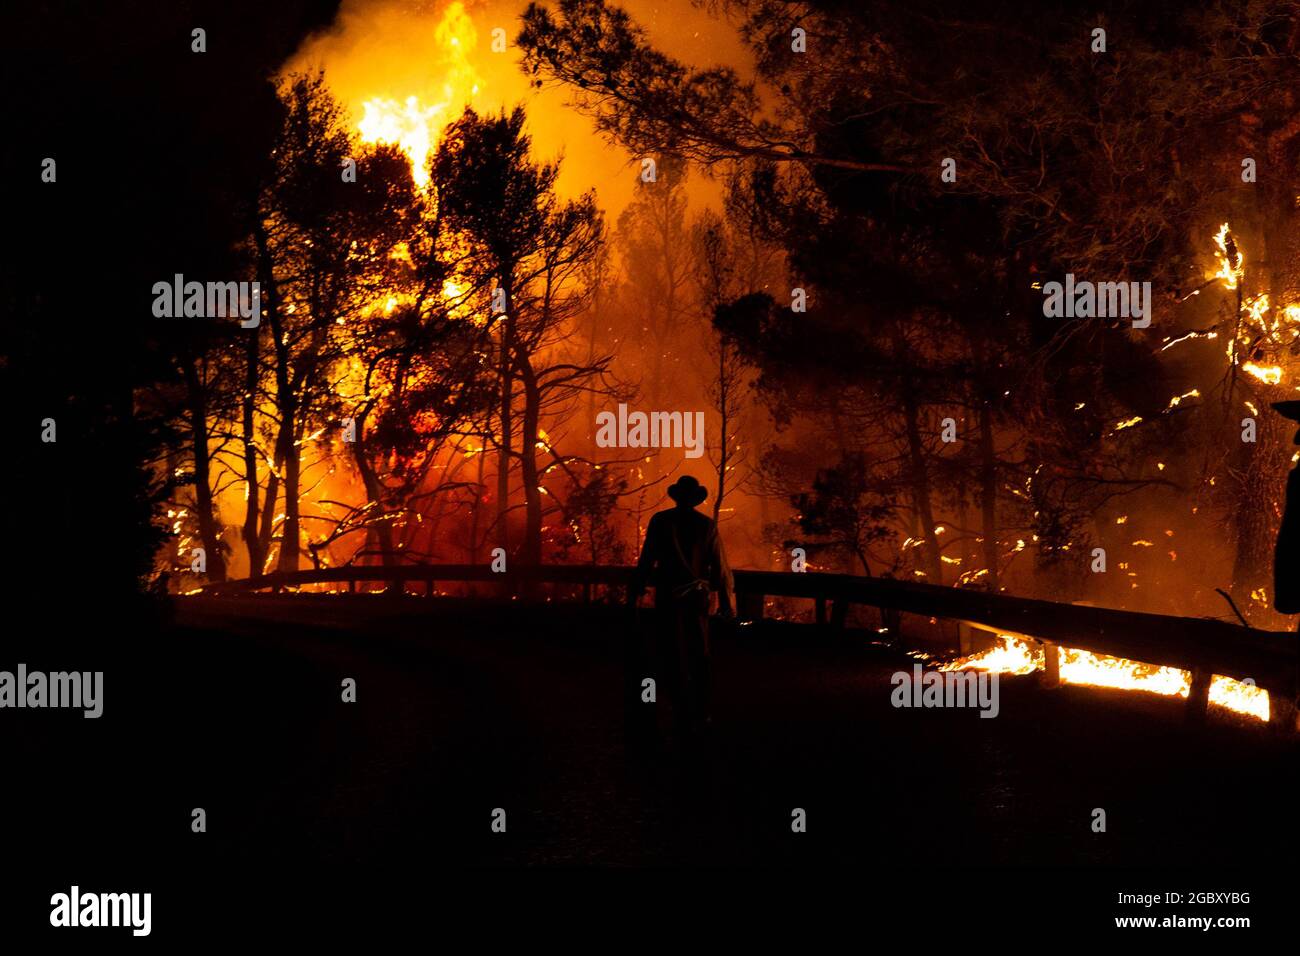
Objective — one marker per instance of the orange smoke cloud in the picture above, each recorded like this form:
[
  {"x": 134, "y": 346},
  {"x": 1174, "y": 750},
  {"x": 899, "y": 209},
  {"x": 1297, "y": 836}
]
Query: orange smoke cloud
[{"x": 405, "y": 69}]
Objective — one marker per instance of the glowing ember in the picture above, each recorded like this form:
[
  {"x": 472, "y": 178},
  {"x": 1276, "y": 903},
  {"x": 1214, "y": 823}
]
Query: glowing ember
[
  {"x": 1186, "y": 336},
  {"x": 1268, "y": 374},
  {"x": 1015, "y": 656}
]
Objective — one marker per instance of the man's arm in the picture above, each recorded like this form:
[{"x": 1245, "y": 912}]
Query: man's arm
[
  {"x": 722, "y": 581},
  {"x": 645, "y": 563}
]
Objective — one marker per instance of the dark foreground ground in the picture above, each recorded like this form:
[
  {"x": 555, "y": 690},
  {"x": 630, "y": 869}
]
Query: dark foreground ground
[{"x": 464, "y": 707}]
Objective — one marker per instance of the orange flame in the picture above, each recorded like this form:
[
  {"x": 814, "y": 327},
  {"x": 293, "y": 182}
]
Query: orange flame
[
  {"x": 1015, "y": 656},
  {"x": 1231, "y": 262},
  {"x": 409, "y": 122},
  {"x": 1260, "y": 329}
]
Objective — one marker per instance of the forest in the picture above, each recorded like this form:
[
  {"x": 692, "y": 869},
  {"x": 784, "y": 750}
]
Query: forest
[{"x": 838, "y": 249}]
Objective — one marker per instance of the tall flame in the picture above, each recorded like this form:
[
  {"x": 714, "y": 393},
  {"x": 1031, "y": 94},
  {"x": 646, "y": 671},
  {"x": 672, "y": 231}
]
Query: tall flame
[
  {"x": 416, "y": 126},
  {"x": 1232, "y": 265}
]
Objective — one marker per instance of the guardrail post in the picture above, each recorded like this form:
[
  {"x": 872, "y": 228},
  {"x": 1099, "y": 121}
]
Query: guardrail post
[
  {"x": 1198, "y": 698},
  {"x": 1281, "y": 713},
  {"x": 891, "y": 620},
  {"x": 821, "y": 612},
  {"x": 839, "y": 613},
  {"x": 750, "y": 606},
  {"x": 1051, "y": 664}
]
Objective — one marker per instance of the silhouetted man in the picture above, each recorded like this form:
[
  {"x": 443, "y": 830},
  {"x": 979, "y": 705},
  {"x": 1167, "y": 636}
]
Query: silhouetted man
[{"x": 683, "y": 558}]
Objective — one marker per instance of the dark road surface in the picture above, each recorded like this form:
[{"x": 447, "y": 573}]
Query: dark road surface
[{"x": 464, "y": 707}]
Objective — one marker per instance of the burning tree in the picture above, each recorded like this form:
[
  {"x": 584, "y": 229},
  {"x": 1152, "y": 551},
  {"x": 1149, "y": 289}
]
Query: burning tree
[
  {"x": 322, "y": 241},
  {"x": 457, "y": 316},
  {"x": 528, "y": 250}
]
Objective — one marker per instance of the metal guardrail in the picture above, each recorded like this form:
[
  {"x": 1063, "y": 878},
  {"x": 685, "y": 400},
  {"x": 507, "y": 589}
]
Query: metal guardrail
[{"x": 1203, "y": 646}]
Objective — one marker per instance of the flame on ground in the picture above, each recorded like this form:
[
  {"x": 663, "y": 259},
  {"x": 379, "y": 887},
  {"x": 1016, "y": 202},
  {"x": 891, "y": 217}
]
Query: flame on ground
[{"x": 1015, "y": 656}]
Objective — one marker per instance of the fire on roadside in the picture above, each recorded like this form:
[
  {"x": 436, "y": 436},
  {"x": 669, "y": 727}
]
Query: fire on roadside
[{"x": 1013, "y": 655}]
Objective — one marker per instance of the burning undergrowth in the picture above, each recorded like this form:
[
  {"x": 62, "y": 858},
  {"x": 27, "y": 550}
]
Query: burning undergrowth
[{"x": 1013, "y": 655}]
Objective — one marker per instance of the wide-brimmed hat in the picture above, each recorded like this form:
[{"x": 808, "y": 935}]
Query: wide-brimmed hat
[{"x": 687, "y": 491}]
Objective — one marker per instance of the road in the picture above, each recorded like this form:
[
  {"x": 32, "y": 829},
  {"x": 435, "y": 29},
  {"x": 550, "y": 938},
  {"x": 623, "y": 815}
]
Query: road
[{"x": 463, "y": 708}]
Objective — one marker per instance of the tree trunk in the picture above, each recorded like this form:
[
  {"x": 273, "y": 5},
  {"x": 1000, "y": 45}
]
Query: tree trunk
[
  {"x": 379, "y": 530},
  {"x": 290, "y": 455},
  {"x": 919, "y": 479},
  {"x": 1258, "y": 509},
  {"x": 208, "y": 529},
  {"x": 989, "y": 493},
  {"x": 506, "y": 375},
  {"x": 474, "y": 508},
  {"x": 723, "y": 398},
  {"x": 531, "y": 554},
  {"x": 286, "y": 452},
  {"x": 252, "y": 541},
  {"x": 1264, "y": 469},
  {"x": 268, "y": 518}
]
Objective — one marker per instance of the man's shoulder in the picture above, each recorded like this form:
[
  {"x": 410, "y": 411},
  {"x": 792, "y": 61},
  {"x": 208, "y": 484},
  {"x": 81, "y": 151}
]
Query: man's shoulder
[
  {"x": 660, "y": 521},
  {"x": 686, "y": 516}
]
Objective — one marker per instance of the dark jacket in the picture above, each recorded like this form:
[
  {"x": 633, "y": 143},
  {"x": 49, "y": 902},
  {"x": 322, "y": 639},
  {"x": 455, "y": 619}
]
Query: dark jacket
[{"x": 681, "y": 546}]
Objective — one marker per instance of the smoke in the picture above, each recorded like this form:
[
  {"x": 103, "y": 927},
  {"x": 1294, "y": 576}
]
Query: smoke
[{"x": 441, "y": 53}]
